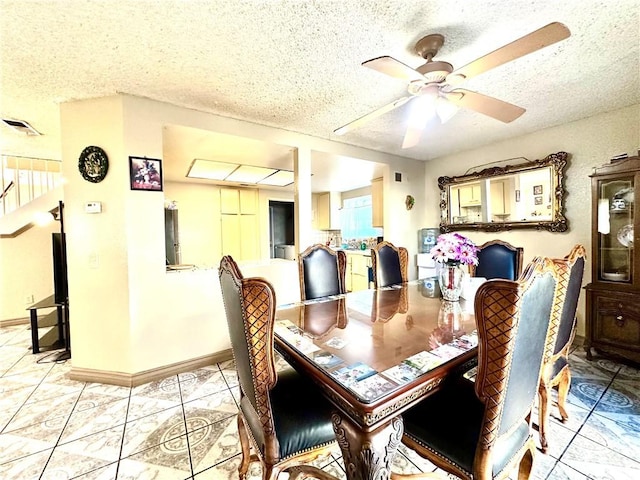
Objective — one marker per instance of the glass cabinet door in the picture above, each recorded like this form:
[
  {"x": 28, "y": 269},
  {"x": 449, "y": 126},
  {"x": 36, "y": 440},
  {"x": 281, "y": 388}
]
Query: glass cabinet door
[{"x": 615, "y": 229}]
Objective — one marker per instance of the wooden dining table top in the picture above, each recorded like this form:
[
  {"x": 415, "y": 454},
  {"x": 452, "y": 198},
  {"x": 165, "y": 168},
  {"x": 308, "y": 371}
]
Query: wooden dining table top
[{"x": 374, "y": 353}]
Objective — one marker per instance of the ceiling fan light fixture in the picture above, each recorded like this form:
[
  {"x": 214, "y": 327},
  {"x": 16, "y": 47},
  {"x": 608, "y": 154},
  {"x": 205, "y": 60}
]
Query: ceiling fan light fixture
[
  {"x": 445, "y": 109},
  {"x": 422, "y": 109},
  {"x": 435, "y": 72}
]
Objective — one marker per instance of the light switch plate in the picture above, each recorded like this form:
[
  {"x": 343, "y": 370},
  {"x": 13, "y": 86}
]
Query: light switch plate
[{"x": 93, "y": 207}]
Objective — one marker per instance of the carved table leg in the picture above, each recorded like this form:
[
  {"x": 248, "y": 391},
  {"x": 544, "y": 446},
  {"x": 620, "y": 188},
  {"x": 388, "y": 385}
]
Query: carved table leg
[{"x": 368, "y": 455}]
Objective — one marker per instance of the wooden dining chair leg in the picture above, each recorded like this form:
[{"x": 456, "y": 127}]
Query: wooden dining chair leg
[
  {"x": 563, "y": 391},
  {"x": 543, "y": 415},
  {"x": 270, "y": 472},
  {"x": 526, "y": 462},
  {"x": 246, "y": 449},
  {"x": 301, "y": 472}
]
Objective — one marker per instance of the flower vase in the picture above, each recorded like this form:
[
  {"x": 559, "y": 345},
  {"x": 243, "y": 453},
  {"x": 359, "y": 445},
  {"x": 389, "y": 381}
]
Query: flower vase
[{"x": 450, "y": 278}]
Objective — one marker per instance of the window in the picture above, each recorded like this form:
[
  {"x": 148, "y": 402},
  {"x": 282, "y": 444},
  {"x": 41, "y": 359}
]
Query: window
[{"x": 355, "y": 218}]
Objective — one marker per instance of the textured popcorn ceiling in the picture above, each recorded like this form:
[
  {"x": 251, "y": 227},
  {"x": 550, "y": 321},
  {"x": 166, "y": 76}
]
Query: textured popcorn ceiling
[{"x": 296, "y": 65}]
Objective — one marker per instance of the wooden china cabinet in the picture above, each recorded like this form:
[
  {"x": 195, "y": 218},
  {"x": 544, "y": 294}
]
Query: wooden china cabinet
[{"x": 613, "y": 296}]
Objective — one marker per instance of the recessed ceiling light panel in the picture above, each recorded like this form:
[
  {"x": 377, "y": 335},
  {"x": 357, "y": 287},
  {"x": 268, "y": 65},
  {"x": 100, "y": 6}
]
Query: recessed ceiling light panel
[
  {"x": 281, "y": 178},
  {"x": 210, "y": 170},
  {"x": 250, "y": 174}
]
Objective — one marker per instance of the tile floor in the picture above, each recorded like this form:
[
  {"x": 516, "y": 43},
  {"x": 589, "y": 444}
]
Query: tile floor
[{"x": 183, "y": 427}]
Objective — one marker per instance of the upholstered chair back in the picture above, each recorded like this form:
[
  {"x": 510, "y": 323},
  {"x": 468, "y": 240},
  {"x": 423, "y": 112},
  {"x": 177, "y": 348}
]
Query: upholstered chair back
[
  {"x": 513, "y": 324},
  {"x": 250, "y": 309},
  {"x": 566, "y": 327},
  {"x": 555, "y": 369},
  {"x": 389, "y": 264},
  {"x": 321, "y": 272},
  {"x": 498, "y": 259}
]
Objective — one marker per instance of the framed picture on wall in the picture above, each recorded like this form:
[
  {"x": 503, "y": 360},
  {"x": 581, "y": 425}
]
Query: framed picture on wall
[
  {"x": 537, "y": 189},
  {"x": 537, "y": 200},
  {"x": 145, "y": 173}
]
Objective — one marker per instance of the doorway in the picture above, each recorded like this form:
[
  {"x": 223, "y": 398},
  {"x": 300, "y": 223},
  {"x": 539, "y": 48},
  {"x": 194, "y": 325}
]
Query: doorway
[{"x": 281, "y": 228}]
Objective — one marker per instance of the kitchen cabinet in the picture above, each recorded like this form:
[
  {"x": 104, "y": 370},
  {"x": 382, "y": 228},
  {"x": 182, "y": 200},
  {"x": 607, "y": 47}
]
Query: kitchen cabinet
[
  {"x": 377, "y": 204},
  {"x": 239, "y": 223},
  {"x": 499, "y": 202},
  {"x": 234, "y": 201},
  {"x": 613, "y": 296},
  {"x": 470, "y": 195},
  {"x": 357, "y": 274},
  {"x": 328, "y": 211}
]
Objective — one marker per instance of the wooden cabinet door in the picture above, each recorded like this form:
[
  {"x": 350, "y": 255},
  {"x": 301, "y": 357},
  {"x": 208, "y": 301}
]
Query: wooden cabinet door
[
  {"x": 229, "y": 201},
  {"x": 347, "y": 279},
  {"x": 248, "y": 201},
  {"x": 377, "y": 205},
  {"x": 470, "y": 195},
  {"x": 230, "y": 231},
  {"x": 497, "y": 198},
  {"x": 359, "y": 282},
  {"x": 248, "y": 237},
  {"x": 323, "y": 221}
]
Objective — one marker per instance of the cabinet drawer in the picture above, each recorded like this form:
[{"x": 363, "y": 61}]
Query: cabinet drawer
[{"x": 617, "y": 320}]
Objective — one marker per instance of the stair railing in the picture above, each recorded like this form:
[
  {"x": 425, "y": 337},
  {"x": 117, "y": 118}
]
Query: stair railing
[{"x": 23, "y": 179}]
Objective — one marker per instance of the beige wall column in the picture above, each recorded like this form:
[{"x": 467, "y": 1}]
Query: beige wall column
[
  {"x": 97, "y": 257},
  {"x": 302, "y": 197}
]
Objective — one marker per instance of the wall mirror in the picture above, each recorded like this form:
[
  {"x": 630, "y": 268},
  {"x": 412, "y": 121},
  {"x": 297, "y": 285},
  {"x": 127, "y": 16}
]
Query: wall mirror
[{"x": 528, "y": 195}]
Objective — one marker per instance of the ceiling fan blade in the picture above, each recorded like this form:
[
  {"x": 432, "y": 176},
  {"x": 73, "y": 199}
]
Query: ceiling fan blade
[
  {"x": 370, "y": 116},
  {"x": 394, "y": 68},
  {"x": 490, "y": 106},
  {"x": 543, "y": 37}
]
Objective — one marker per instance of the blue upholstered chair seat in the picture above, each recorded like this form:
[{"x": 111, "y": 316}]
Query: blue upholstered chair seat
[
  {"x": 558, "y": 365},
  {"x": 448, "y": 422},
  {"x": 301, "y": 414}
]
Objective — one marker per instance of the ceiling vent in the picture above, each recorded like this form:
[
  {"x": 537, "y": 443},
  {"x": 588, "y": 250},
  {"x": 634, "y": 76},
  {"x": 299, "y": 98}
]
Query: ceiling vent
[{"x": 20, "y": 126}]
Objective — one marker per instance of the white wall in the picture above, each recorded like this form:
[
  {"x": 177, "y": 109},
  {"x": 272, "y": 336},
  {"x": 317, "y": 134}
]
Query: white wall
[
  {"x": 590, "y": 142},
  {"x": 128, "y": 314},
  {"x": 26, "y": 268}
]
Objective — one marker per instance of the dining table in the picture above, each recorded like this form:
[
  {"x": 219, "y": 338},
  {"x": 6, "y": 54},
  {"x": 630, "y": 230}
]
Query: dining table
[{"x": 375, "y": 353}]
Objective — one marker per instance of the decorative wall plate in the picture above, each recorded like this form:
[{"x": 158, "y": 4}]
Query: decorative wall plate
[
  {"x": 93, "y": 164},
  {"x": 625, "y": 235}
]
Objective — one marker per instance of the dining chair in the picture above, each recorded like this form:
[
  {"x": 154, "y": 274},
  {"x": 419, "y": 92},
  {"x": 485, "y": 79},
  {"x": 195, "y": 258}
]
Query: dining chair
[
  {"x": 555, "y": 367},
  {"x": 321, "y": 272},
  {"x": 482, "y": 429},
  {"x": 389, "y": 264},
  {"x": 281, "y": 414},
  {"x": 498, "y": 259}
]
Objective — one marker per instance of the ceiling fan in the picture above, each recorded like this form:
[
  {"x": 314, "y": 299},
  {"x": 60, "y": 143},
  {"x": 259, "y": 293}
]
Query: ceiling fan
[{"x": 432, "y": 86}]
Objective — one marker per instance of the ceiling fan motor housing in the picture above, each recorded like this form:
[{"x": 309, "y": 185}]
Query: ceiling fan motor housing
[{"x": 435, "y": 72}]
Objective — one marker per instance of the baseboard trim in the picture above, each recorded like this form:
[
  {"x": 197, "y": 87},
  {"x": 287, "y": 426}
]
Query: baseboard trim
[
  {"x": 134, "y": 379},
  {"x": 14, "y": 321}
]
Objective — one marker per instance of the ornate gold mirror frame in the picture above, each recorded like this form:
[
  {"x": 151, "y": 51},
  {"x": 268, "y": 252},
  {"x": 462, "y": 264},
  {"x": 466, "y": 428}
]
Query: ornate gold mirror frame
[{"x": 529, "y": 195}]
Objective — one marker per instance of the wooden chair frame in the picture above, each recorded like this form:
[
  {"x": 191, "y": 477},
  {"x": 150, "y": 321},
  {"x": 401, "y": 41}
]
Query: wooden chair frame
[
  {"x": 258, "y": 308},
  {"x": 562, "y": 379},
  {"x": 492, "y": 377},
  {"x": 403, "y": 257}
]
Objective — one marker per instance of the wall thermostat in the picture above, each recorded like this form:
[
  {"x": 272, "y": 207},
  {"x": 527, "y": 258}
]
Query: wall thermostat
[{"x": 93, "y": 207}]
